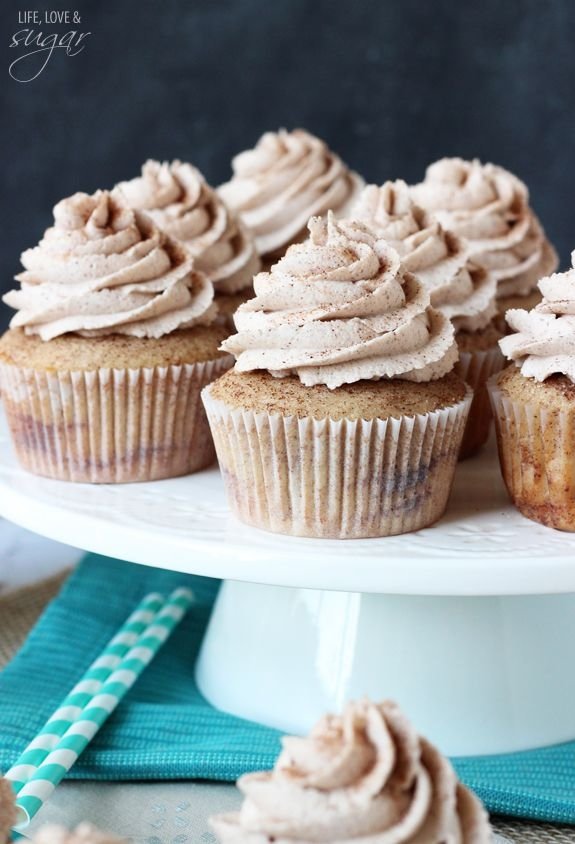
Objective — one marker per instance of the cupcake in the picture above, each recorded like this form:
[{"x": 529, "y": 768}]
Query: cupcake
[
  {"x": 461, "y": 289},
  {"x": 287, "y": 178},
  {"x": 489, "y": 207},
  {"x": 7, "y": 810},
  {"x": 112, "y": 342},
  {"x": 364, "y": 776},
  {"x": 85, "y": 833},
  {"x": 342, "y": 417},
  {"x": 182, "y": 204},
  {"x": 534, "y": 405}
]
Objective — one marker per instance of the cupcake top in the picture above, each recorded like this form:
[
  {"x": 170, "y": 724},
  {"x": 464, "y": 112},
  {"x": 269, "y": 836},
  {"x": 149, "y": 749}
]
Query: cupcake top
[
  {"x": 85, "y": 833},
  {"x": 7, "y": 810},
  {"x": 340, "y": 308},
  {"x": 287, "y": 178},
  {"x": 439, "y": 259},
  {"x": 364, "y": 776},
  {"x": 544, "y": 342},
  {"x": 181, "y": 203},
  {"x": 489, "y": 207},
  {"x": 105, "y": 269}
]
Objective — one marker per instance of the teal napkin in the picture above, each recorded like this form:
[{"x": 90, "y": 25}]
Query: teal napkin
[{"x": 165, "y": 729}]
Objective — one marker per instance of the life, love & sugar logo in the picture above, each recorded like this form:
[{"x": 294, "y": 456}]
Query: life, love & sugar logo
[{"x": 36, "y": 46}]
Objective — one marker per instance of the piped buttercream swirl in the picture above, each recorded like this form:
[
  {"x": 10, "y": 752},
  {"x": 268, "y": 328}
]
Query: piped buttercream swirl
[
  {"x": 489, "y": 207},
  {"x": 544, "y": 342},
  {"x": 179, "y": 200},
  {"x": 106, "y": 269},
  {"x": 339, "y": 308},
  {"x": 287, "y": 178},
  {"x": 365, "y": 776},
  {"x": 462, "y": 290}
]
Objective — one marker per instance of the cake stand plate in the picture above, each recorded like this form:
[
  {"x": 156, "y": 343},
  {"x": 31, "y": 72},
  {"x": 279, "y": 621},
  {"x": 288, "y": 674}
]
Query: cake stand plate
[{"x": 469, "y": 624}]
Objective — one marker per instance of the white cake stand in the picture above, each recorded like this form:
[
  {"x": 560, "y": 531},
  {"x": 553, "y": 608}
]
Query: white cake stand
[{"x": 469, "y": 624}]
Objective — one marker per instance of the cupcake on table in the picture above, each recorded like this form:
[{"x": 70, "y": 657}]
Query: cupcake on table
[
  {"x": 287, "y": 178},
  {"x": 181, "y": 203},
  {"x": 534, "y": 405},
  {"x": 461, "y": 289},
  {"x": 112, "y": 342},
  {"x": 7, "y": 810},
  {"x": 342, "y": 417},
  {"x": 489, "y": 207},
  {"x": 85, "y": 833},
  {"x": 363, "y": 776}
]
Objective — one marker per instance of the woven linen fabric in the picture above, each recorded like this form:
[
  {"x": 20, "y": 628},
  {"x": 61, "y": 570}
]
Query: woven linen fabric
[
  {"x": 120, "y": 807},
  {"x": 165, "y": 729},
  {"x": 20, "y": 610}
]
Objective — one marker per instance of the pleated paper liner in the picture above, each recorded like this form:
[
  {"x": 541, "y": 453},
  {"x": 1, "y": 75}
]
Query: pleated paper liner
[
  {"x": 537, "y": 456},
  {"x": 476, "y": 368},
  {"x": 342, "y": 479},
  {"x": 110, "y": 425}
]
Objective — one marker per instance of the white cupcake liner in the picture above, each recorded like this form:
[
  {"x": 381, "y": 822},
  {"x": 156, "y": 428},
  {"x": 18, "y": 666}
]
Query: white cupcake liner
[
  {"x": 537, "y": 457},
  {"x": 342, "y": 479},
  {"x": 475, "y": 368},
  {"x": 110, "y": 425}
]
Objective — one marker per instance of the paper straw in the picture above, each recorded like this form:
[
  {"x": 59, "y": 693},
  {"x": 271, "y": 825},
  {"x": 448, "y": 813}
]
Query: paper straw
[
  {"x": 56, "y": 765},
  {"x": 91, "y": 682}
]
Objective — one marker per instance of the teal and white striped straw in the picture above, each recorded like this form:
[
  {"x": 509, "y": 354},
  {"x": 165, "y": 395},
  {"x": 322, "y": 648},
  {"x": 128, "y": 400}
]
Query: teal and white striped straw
[
  {"x": 84, "y": 691},
  {"x": 58, "y": 762}
]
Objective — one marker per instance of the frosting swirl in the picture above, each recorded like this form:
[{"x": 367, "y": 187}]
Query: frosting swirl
[
  {"x": 282, "y": 182},
  {"x": 544, "y": 342},
  {"x": 105, "y": 269},
  {"x": 84, "y": 833},
  {"x": 463, "y": 291},
  {"x": 339, "y": 308},
  {"x": 181, "y": 203},
  {"x": 489, "y": 207},
  {"x": 365, "y": 776}
]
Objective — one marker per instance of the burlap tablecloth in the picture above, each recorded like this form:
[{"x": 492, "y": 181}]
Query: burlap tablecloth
[{"x": 20, "y": 609}]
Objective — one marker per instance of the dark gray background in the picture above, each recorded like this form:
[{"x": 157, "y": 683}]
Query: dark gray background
[{"x": 390, "y": 84}]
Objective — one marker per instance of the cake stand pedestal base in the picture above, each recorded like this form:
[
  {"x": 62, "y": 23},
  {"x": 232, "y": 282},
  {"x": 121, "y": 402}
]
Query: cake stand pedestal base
[
  {"x": 478, "y": 675},
  {"x": 468, "y": 624}
]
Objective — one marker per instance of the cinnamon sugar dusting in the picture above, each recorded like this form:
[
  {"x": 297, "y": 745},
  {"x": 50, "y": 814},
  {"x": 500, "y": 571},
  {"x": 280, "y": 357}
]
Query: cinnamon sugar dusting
[
  {"x": 460, "y": 288},
  {"x": 287, "y": 178},
  {"x": 544, "y": 340},
  {"x": 104, "y": 269},
  {"x": 340, "y": 308},
  {"x": 489, "y": 207},
  {"x": 362, "y": 776},
  {"x": 181, "y": 203}
]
